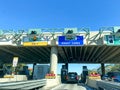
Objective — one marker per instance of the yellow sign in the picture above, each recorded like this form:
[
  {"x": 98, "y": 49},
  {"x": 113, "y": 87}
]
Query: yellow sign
[{"x": 35, "y": 43}]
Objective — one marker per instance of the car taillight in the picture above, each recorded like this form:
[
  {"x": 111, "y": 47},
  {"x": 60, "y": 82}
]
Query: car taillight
[
  {"x": 113, "y": 77},
  {"x": 77, "y": 77},
  {"x": 66, "y": 77}
]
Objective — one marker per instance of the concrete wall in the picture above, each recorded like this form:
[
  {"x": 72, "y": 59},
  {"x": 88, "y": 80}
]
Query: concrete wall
[
  {"x": 92, "y": 83},
  {"x": 52, "y": 83}
]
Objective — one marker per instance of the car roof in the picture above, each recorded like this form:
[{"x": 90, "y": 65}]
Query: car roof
[
  {"x": 113, "y": 72},
  {"x": 72, "y": 72}
]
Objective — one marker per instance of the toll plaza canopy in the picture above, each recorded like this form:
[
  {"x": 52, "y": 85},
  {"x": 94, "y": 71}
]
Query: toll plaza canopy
[{"x": 74, "y": 45}]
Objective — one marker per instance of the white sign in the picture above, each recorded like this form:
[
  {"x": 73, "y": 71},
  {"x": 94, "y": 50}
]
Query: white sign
[{"x": 15, "y": 61}]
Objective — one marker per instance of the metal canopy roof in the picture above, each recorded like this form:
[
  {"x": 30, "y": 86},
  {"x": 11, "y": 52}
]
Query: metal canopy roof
[{"x": 79, "y": 54}]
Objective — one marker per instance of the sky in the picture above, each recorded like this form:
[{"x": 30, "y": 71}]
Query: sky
[{"x": 27, "y": 14}]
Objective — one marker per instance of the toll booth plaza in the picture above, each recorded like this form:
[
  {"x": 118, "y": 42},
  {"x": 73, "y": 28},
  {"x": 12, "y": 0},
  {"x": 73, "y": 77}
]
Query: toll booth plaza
[{"x": 60, "y": 45}]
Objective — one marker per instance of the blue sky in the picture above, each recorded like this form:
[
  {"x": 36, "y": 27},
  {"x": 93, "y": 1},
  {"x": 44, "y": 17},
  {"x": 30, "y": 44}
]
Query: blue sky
[{"x": 25, "y": 14}]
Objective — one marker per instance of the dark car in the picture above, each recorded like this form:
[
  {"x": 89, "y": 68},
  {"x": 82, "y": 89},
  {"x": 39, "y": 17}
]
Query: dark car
[
  {"x": 113, "y": 76},
  {"x": 72, "y": 77},
  {"x": 104, "y": 77}
]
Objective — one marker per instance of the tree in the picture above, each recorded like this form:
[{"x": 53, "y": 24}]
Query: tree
[{"x": 116, "y": 68}]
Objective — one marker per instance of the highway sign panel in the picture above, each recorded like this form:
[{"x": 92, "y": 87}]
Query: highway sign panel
[
  {"x": 112, "y": 39},
  {"x": 77, "y": 41},
  {"x": 35, "y": 43}
]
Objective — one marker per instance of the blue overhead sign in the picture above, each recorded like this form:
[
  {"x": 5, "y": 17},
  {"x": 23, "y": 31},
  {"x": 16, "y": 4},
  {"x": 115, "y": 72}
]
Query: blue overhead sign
[{"x": 77, "y": 41}]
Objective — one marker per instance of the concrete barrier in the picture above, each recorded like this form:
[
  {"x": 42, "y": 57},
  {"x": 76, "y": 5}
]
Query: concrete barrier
[
  {"x": 50, "y": 83},
  {"x": 92, "y": 83},
  {"x": 15, "y": 78}
]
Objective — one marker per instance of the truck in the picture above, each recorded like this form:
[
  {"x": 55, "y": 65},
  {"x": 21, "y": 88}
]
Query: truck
[{"x": 40, "y": 71}]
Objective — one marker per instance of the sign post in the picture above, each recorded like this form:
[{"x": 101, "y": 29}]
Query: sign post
[{"x": 15, "y": 61}]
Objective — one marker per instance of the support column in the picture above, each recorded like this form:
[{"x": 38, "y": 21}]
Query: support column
[
  {"x": 66, "y": 64},
  {"x": 33, "y": 69},
  {"x": 102, "y": 69},
  {"x": 54, "y": 60}
]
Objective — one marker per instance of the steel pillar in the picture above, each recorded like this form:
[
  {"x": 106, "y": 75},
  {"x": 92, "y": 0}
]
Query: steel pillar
[
  {"x": 66, "y": 64},
  {"x": 33, "y": 69},
  {"x": 102, "y": 69}
]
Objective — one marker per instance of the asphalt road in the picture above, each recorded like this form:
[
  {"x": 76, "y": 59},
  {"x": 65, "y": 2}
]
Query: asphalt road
[{"x": 72, "y": 87}]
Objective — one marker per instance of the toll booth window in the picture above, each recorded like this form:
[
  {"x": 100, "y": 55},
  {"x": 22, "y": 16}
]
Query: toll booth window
[{"x": 33, "y": 32}]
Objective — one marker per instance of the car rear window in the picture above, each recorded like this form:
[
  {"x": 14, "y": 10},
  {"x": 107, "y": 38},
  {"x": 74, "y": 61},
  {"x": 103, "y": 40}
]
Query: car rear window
[
  {"x": 72, "y": 74},
  {"x": 117, "y": 74},
  {"x": 113, "y": 74}
]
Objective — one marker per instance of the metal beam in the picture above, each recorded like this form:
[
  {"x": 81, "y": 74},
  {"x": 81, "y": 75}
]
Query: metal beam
[
  {"x": 7, "y": 50},
  {"x": 31, "y": 54},
  {"x": 116, "y": 52},
  {"x": 84, "y": 54},
  {"x": 71, "y": 52},
  {"x": 102, "y": 51},
  {"x": 102, "y": 55},
  {"x": 64, "y": 50},
  {"x": 90, "y": 54},
  {"x": 38, "y": 53},
  {"x": 93, "y": 53},
  {"x": 115, "y": 59},
  {"x": 22, "y": 52},
  {"x": 80, "y": 53},
  {"x": 75, "y": 52}
]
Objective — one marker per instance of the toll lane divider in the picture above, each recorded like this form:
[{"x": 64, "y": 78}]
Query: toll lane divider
[{"x": 23, "y": 85}]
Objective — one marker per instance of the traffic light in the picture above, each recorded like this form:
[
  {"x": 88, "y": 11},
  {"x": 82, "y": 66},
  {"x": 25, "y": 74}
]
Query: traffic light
[
  {"x": 69, "y": 32},
  {"x": 110, "y": 39},
  {"x": 34, "y": 38},
  {"x": 117, "y": 29},
  {"x": 33, "y": 32}
]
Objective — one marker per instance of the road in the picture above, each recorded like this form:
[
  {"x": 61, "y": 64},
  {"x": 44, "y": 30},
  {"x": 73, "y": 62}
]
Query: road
[{"x": 72, "y": 87}]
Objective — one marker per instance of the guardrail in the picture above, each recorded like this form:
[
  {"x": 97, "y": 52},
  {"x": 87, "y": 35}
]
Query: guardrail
[
  {"x": 23, "y": 85},
  {"x": 105, "y": 85}
]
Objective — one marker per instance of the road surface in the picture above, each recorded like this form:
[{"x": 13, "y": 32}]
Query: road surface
[{"x": 72, "y": 87}]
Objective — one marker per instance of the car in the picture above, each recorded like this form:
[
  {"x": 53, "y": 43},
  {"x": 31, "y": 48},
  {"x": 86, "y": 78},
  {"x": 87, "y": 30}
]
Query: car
[
  {"x": 104, "y": 77},
  {"x": 72, "y": 77},
  {"x": 113, "y": 76}
]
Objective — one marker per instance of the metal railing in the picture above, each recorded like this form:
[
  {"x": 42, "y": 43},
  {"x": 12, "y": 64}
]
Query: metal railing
[{"x": 23, "y": 85}]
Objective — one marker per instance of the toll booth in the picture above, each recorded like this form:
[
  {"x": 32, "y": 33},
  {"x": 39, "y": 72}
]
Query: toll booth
[
  {"x": 84, "y": 74},
  {"x": 64, "y": 72},
  {"x": 40, "y": 71}
]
